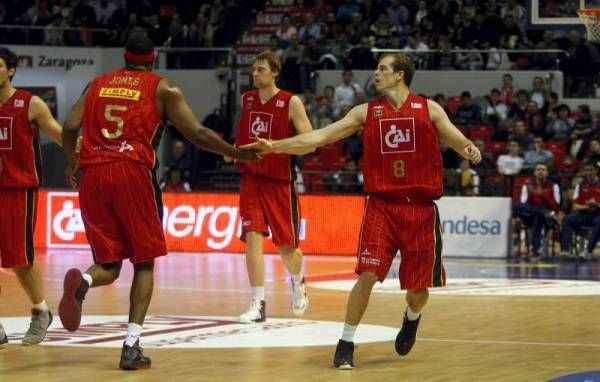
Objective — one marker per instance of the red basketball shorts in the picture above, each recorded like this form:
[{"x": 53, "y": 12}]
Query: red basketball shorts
[
  {"x": 412, "y": 228},
  {"x": 119, "y": 209},
  {"x": 17, "y": 223},
  {"x": 266, "y": 202}
]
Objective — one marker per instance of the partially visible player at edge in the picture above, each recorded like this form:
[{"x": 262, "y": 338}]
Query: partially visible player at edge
[
  {"x": 268, "y": 195},
  {"x": 122, "y": 114},
  {"x": 22, "y": 115},
  {"x": 402, "y": 176}
]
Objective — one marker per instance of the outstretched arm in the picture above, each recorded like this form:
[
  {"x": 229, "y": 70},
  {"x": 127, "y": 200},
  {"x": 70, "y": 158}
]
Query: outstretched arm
[
  {"x": 180, "y": 114},
  {"x": 70, "y": 133},
  {"x": 40, "y": 114},
  {"x": 308, "y": 142},
  {"x": 450, "y": 135}
]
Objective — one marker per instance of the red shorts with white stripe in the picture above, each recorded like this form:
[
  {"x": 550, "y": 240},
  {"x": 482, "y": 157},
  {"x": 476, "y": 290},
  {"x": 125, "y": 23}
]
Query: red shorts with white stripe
[
  {"x": 119, "y": 207},
  {"x": 269, "y": 203},
  {"x": 411, "y": 227},
  {"x": 17, "y": 223}
]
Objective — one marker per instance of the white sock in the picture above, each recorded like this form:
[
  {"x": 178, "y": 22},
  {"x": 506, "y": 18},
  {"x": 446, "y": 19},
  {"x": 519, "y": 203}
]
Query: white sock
[
  {"x": 348, "y": 334},
  {"x": 298, "y": 278},
  {"x": 412, "y": 315},
  {"x": 258, "y": 293},
  {"x": 87, "y": 278},
  {"x": 134, "y": 331},
  {"x": 41, "y": 306}
]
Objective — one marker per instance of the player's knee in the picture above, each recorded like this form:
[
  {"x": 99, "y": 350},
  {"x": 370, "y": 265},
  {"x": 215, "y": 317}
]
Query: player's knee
[
  {"x": 145, "y": 266},
  {"x": 368, "y": 278},
  {"x": 113, "y": 268},
  {"x": 286, "y": 250},
  {"x": 22, "y": 269}
]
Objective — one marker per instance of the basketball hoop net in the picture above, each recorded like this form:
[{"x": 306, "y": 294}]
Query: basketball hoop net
[{"x": 591, "y": 18}]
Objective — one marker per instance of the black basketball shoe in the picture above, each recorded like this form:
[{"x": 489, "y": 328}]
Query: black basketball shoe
[
  {"x": 407, "y": 335},
  {"x": 132, "y": 358},
  {"x": 344, "y": 355}
]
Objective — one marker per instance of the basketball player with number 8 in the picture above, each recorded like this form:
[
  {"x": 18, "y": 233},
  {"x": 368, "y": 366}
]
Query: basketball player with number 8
[{"x": 402, "y": 169}]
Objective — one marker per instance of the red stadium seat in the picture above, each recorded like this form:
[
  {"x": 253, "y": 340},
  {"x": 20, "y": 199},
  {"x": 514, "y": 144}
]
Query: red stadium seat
[
  {"x": 517, "y": 185},
  {"x": 453, "y": 103},
  {"x": 463, "y": 129},
  {"x": 483, "y": 132},
  {"x": 558, "y": 149},
  {"x": 496, "y": 148}
]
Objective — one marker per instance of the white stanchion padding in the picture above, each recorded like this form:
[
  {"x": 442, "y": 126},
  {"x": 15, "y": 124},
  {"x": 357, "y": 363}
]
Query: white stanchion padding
[{"x": 475, "y": 226}]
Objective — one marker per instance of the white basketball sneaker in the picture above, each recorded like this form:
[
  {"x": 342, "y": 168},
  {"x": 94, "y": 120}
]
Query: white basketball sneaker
[
  {"x": 3, "y": 336},
  {"x": 300, "y": 298},
  {"x": 255, "y": 313}
]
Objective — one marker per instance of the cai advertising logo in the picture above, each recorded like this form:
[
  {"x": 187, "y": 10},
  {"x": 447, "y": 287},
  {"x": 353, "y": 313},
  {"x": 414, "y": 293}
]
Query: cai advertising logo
[
  {"x": 397, "y": 135},
  {"x": 65, "y": 227}
]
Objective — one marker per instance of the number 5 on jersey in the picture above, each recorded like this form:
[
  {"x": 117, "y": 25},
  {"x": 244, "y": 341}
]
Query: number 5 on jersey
[{"x": 110, "y": 117}]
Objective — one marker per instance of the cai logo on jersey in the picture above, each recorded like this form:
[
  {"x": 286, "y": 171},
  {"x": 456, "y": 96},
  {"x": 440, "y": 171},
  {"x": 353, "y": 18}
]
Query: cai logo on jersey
[
  {"x": 260, "y": 124},
  {"x": 65, "y": 226},
  {"x": 397, "y": 135},
  {"x": 6, "y": 127}
]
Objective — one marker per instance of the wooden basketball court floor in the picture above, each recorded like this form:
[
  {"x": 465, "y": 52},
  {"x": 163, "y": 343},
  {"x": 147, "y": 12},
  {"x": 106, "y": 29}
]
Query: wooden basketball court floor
[{"x": 464, "y": 335}]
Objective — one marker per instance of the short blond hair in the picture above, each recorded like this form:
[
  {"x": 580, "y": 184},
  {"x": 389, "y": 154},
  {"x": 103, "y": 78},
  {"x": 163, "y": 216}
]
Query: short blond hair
[{"x": 271, "y": 59}]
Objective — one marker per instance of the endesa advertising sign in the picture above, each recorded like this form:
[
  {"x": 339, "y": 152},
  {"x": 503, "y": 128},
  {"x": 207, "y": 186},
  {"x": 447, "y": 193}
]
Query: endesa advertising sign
[{"x": 206, "y": 222}]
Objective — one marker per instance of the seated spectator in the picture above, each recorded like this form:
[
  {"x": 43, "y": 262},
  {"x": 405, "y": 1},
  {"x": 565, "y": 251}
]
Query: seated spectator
[
  {"x": 322, "y": 118},
  {"x": 347, "y": 180},
  {"x": 534, "y": 120},
  {"x": 593, "y": 156},
  {"x": 450, "y": 161},
  {"x": 508, "y": 90},
  {"x": 519, "y": 108},
  {"x": 468, "y": 180},
  {"x": 521, "y": 135},
  {"x": 468, "y": 113},
  {"x": 560, "y": 126},
  {"x": 286, "y": 30},
  {"x": 345, "y": 93},
  {"x": 511, "y": 163},
  {"x": 582, "y": 132},
  {"x": 361, "y": 57},
  {"x": 179, "y": 160},
  {"x": 487, "y": 166},
  {"x": 496, "y": 112},
  {"x": 382, "y": 31},
  {"x": 585, "y": 212},
  {"x": 540, "y": 200},
  {"x": 539, "y": 93},
  {"x": 310, "y": 102},
  {"x": 357, "y": 28},
  {"x": 174, "y": 182},
  {"x": 538, "y": 155}
]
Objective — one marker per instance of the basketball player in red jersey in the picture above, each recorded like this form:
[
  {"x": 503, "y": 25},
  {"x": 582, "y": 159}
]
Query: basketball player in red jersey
[
  {"x": 267, "y": 192},
  {"x": 122, "y": 117},
  {"x": 21, "y": 115},
  {"x": 402, "y": 169}
]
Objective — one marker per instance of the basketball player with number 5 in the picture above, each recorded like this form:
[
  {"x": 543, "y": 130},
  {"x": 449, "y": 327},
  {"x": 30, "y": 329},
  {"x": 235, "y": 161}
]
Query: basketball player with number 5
[
  {"x": 402, "y": 169},
  {"x": 122, "y": 115}
]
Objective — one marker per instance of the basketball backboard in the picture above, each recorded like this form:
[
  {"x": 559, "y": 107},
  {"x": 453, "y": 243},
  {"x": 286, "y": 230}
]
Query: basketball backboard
[{"x": 557, "y": 13}]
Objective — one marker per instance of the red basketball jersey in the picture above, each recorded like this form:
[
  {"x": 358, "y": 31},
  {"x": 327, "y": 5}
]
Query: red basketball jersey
[
  {"x": 19, "y": 144},
  {"x": 271, "y": 121},
  {"x": 121, "y": 119},
  {"x": 401, "y": 151}
]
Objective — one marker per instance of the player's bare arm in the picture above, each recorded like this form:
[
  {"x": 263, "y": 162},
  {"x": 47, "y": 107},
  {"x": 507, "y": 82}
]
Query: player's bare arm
[
  {"x": 173, "y": 104},
  {"x": 450, "y": 135},
  {"x": 70, "y": 134},
  {"x": 308, "y": 142},
  {"x": 298, "y": 116},
  {"x": 41, "y": 116}
]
